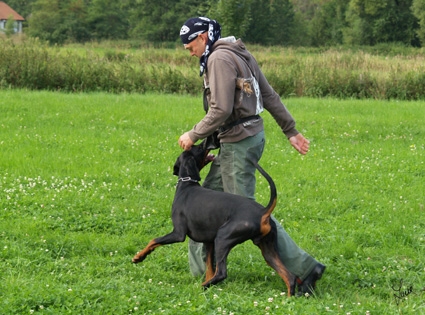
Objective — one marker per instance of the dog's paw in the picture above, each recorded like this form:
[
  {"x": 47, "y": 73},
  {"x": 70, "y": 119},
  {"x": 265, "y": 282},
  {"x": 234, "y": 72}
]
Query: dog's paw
[
  {"x": 137, "y": 259},
  {"x": 206, "y": 285}
]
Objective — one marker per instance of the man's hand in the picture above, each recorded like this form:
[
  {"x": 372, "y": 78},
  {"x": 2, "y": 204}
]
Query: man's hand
[
  {"x": 185, "y": 142},
  {"x": 300, "y": 143}
]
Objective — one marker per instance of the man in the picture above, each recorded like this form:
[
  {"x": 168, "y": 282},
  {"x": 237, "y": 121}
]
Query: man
[{"x": 236, "y": 92}]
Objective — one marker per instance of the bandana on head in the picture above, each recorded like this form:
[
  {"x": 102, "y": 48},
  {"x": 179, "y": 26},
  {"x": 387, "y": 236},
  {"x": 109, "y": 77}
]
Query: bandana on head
[{"x": 195, "y": 26}]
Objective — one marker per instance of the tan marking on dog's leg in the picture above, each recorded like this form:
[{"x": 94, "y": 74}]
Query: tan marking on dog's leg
[
  {"x": 140, "y": 256},
  {"x": 209, "y": 263},
  {"x": 207, "y": 280},
  {"x": 274, "y": 261},
  {"x": 286, "y": 276}
]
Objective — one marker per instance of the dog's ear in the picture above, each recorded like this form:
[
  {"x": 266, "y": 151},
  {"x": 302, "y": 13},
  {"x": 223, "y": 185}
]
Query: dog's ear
[
  {"x": 211, "y": 142},
  {"x": 190, "y": 167},
  {"x": 176, "y": 168}
]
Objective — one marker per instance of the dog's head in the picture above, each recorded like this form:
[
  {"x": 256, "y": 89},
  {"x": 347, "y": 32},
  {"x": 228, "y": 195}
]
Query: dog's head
[{"x": 191, "y": 162}]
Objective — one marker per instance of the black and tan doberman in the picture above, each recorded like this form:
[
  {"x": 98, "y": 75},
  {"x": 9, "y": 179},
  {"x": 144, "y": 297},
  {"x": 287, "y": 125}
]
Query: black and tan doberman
[{"x": 219, "y": 220}]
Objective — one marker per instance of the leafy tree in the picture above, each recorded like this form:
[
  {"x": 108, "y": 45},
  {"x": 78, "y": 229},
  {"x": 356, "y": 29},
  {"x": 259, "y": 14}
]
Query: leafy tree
[
  {"x": 74, "y": 21},
  {"x": 58, "y": 21},
  {"x": 380, "y": 21},
  {"x": 155, "y": 20},
  {"x": 259, "y": 27},
  {"x": 161, "y": 20},
  {"x": 186, "y": 9},
  {"x": 108, "y": 19},
  {"x": 328, "y": 22},
  {"x": 301, "y": 31},
  {"x": 271, "y": 22},
  {"x": 418, "y": 9},
  {"x": 282, "y": 22},
  {"x": 10, "y": 26},
  {"x": 267, "y": 22},
  {"x": 234, "y": 16},
  {"x": 45, "y": 20},
  {"x": 319, "y": 22}
]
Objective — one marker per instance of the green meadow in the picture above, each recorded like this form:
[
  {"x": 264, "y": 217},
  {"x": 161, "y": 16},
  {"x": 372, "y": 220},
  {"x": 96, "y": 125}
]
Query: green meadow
[
  {"x": 86, "y": 181},
  {"x": 382, "y": 72}
]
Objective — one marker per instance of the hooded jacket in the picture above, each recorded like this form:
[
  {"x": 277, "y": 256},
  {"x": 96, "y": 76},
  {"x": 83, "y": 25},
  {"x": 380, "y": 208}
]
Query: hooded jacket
[{"x": 236, "y": 88}]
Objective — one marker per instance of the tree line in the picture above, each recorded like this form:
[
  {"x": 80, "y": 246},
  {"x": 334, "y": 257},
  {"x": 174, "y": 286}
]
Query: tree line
[{"x": 314, "y": 23}]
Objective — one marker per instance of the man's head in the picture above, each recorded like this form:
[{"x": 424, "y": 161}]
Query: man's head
[
  {"x": 197, "y": 46},
  {"x": 194, "y": 27},
  {"x": 198, "y": 35}
]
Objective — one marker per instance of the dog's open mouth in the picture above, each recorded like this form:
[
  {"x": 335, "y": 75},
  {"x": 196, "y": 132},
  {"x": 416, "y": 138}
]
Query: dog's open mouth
[{"x": 208, "y": 158}]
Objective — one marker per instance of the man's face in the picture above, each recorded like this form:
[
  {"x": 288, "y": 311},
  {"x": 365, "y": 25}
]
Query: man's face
[{"x": 197, "y": 46}]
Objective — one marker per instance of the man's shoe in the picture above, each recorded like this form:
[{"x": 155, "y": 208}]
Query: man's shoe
[{"x": 308, "y": 286}]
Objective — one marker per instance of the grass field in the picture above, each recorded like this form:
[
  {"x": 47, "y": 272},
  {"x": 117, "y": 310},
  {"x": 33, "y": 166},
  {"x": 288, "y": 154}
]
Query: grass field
[
  {"x": 86, "y": 181},
  {"x": 385, "y": 73}
]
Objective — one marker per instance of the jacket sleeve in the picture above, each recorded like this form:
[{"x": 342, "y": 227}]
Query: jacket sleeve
[
  {"x": 222, "y": 84},
  {"x": 273, "y": 104}
]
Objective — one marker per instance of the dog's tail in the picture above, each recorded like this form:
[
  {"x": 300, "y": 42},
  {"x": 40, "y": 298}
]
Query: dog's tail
[{"x": 273, "y": 194}]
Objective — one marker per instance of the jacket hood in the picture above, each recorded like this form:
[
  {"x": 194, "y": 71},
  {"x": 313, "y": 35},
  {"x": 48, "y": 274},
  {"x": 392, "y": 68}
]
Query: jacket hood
[{"x": 234, "y": 45}]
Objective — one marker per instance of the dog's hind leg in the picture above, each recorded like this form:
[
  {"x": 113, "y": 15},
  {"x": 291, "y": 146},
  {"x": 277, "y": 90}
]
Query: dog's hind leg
[
  {"x": 269, "y": 250},
  {"x": 209, "y": 262},
  {"x": 224, "y": 242},
  {"x": 220, "y": 269}
]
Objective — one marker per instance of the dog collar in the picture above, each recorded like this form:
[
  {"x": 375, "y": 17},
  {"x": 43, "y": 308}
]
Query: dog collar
[{"x": 187, "y": 179}]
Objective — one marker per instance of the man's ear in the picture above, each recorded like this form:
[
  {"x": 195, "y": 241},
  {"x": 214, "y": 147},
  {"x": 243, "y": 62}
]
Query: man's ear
[{"x": 204, "y": 37}]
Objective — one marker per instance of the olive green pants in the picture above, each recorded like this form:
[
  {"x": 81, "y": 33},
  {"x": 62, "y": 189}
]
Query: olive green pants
[{"x": 232, "y": 171}]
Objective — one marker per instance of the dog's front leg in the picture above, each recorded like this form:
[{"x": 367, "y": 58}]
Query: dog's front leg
[{"x": 173, "y": 237}]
